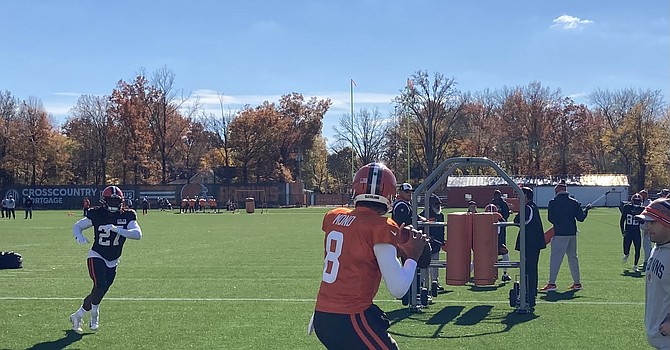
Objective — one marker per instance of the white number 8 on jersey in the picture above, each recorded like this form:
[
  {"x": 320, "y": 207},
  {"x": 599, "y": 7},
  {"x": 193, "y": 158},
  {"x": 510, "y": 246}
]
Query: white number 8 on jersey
[{"x": 331, "y": 264}]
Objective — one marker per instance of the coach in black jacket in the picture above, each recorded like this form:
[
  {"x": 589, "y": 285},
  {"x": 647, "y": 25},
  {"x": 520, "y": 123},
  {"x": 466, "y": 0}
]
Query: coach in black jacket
[
  {"x": 534, "y": 243},
  {"x": 564, "y": 212}
]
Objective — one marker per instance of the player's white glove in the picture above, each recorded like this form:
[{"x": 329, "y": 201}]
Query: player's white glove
[
  {"x": 81, "y": 239},
  {"x": 109, "y": 227}
]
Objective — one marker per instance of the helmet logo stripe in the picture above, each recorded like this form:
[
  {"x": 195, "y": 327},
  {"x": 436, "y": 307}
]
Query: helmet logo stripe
[
  {"x": 374, "y": 182},
  {"x": 375, "y": 179}
]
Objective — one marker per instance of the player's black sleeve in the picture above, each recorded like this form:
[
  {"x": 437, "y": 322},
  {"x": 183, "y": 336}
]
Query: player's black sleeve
[
  {"x": 402, "y": 214},
  {"x": 504, "y": 210}
]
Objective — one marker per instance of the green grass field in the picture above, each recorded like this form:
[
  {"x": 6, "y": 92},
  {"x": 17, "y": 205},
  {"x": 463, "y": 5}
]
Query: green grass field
[{"x": 249, "y": 281}]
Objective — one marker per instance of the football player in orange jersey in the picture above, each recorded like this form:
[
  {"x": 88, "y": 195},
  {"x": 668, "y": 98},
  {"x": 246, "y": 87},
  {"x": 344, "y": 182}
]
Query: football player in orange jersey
[{"x": 361, "y": 246}]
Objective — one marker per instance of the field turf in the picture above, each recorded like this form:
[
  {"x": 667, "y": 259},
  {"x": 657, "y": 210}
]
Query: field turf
[{"x": 249, "y": 281}]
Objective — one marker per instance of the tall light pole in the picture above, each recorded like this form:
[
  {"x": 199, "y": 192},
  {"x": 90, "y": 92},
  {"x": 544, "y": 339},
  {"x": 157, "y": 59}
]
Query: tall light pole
[
  {"x": 410, "y": 87},
  {"x": 353, "y": 83}
]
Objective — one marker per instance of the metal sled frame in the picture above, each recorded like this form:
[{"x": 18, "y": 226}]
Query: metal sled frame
[{"x": 427, "y": 189}]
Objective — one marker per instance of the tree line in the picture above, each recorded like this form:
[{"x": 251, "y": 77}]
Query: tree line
[{"x": 147, "y": 132}]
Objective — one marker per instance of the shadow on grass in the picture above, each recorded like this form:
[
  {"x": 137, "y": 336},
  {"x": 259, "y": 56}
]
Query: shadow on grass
[
  {"x": 398, "y": 315},
  {"x": 473, "y": 316},
  {"x": 629, "y": 273},
  {"x": 67, "y": 340},
  {"x": 559, "y": 296},
  {"x": 442, "y": 292}
]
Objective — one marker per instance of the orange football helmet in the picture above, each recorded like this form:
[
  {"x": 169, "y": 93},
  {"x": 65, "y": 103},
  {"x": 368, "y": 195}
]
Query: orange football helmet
[{"x": 374, "y": 182}]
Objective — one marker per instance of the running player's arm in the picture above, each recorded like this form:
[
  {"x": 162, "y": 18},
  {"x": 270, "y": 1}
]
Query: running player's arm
[
  {"x": 133, "y": 231},
  {"x": 624, "y": 213},
  {"x": 78, "y": 229},
  {"x": 398, "y": 277}
]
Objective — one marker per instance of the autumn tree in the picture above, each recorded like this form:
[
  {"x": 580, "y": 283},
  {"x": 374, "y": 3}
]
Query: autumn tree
[
  {"x": 339, "y": 166},
  {"x": 166, "y": 123},
  {"x": 573, "y": 140},
  {"x": 367, "y": 135},
  {"x": 218, "y": 125},
  {"x": 300, "y": 123},
  {"x": 396, "y": 152},
  {"x": 90, "y": 126},
  {"x": 196, "y": 144},
  {"x": 483, "y": 126},
  {"x": 315, "y": 166},
  {"x": 34, "y": 129},
  {"x": 435, "y": 108},
  {"x": 58, "y": 165},
  {"x": 253, "y": 139},
  {"x": 631, "y": 118},
  {"x": 528, "y": 116},
  {"x": 8, "y": 137},
  {"x": 658, "y": 161}
]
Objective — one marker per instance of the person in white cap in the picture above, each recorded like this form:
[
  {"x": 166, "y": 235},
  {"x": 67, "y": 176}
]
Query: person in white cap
[
  {"x": 402, "y": 207},
  {"x": 657, "y": 286}
]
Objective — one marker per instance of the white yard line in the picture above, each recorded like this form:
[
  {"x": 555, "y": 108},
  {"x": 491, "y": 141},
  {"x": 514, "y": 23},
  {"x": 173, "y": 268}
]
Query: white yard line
[{"x": 272, "y": 300}]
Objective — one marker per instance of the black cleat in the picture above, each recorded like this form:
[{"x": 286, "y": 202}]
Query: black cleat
[{"x": 506, "y": 278}]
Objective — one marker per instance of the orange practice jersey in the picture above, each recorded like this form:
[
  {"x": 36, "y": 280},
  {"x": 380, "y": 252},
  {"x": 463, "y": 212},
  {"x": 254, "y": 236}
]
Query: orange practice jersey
[{"x": 351, "y": 275}]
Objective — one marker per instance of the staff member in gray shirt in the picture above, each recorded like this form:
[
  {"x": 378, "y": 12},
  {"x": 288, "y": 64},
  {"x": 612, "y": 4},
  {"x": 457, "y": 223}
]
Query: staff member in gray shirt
[{"x": 657, "y": 287}]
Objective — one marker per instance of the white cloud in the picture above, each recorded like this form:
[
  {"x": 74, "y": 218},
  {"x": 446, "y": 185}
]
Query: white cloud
[
  {"x": 568, "y": 22},
  {"x": 578, "y": 95},
  {"x": 212, "y": 97},
  {"x": 341, "y": 100},
  {"x": 68, "y": 94}
]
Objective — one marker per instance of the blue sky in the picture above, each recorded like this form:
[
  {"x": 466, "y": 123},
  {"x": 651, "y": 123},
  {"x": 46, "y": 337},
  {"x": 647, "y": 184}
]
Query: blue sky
[{"x": 251, "y": 51}]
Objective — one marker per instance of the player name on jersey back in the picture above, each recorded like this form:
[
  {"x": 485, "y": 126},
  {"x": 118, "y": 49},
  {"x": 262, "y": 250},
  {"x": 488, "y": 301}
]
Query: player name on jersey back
[{"x": 344, "y": 220}]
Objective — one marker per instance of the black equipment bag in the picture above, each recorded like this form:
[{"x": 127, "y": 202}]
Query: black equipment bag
[{"x": 10, "y": 260}]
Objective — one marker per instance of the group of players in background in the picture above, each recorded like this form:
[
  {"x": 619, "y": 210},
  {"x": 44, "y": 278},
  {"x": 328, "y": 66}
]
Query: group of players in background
[
  {"x": 199, "y": 204},
  {"x": 633, "y": 229}
]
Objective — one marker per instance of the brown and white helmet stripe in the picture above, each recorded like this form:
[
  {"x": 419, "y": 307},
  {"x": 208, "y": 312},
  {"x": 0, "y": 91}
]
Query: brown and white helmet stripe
[{"x": 658, "y": 210}]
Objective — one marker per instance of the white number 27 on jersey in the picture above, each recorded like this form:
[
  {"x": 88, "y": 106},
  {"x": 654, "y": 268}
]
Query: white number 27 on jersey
[
  {"x": 105, "y": 240},
  {"x": 331, "y": 264}
]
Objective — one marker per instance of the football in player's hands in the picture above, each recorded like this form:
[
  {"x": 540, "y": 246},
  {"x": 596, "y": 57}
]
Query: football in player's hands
[
  {"x": 404, "y": 233},
  {"x": 412, "y": 242}
]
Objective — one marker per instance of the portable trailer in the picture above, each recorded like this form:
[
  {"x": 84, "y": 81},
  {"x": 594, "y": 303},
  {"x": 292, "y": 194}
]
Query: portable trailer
[{"x": 518, "y": 298}]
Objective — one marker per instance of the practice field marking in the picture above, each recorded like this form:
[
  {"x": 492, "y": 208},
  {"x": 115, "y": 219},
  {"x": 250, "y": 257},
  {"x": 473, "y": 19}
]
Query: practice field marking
[{"x": 272, "y": 300}]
